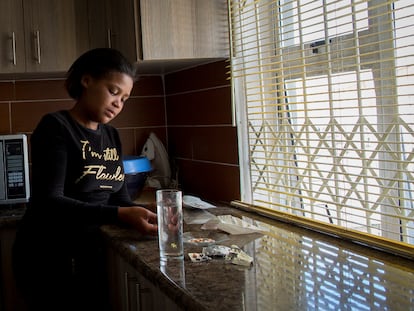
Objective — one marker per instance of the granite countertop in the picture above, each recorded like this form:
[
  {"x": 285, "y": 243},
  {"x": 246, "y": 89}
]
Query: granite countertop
[
  {"x": 293, "y": 269},
  {"x": 10, "y": 215}
]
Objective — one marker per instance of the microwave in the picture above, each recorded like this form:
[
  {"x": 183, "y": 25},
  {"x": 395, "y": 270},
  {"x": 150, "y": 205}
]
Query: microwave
[{"x": 14, "y": 169}]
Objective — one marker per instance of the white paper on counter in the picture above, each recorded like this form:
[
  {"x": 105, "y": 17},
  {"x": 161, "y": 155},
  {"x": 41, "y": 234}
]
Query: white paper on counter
[
  {"x": 195, "y": 202},
  {"x": 231, "y": 225},
  {"x": 196, "y": 216}
]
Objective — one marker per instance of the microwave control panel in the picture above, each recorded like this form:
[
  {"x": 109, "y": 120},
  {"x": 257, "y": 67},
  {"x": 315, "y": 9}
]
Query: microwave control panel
[{"x": 13, "y": 169}]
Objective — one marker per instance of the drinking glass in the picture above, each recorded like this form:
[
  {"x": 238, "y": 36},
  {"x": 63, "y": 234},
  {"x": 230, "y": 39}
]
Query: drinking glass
[{"x": 170, "y": 223}]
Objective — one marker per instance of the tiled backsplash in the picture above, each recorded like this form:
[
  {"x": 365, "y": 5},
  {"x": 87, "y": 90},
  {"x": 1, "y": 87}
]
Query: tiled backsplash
[
  {"x": 24, "y": 102},
  {"x": 189, "y": 111},
  {"x": 201, "y": 139}
]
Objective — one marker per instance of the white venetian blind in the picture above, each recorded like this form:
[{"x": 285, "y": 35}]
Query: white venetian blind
[{"x": 324, "y": 99}]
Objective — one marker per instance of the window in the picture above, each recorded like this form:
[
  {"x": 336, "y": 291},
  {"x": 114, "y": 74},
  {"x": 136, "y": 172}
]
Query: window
[{"x": 324, "y": 99}]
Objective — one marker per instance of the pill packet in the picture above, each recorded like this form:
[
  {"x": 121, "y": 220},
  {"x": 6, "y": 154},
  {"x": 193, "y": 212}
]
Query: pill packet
[
  {"x": 200, "y": 241},
  {"x": 203, "y": 238},
  {"x": 198, "y": 257},
  {"x": 216, "y": 250},
  {"x": 238, "y": 257}
]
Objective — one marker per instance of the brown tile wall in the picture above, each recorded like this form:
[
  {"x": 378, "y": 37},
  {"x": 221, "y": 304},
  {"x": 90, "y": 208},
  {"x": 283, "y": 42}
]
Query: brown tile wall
[
  {"x": 202, "y": 143},
  {"x": 24, "y": 102},
  {"x": 143, "y": 113}
]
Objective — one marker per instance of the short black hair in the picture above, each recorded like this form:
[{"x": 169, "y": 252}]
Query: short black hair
[{"x": 97, "y": 63}]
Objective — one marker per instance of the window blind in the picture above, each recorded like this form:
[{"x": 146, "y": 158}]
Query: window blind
[{"x": 323, "y": 92}]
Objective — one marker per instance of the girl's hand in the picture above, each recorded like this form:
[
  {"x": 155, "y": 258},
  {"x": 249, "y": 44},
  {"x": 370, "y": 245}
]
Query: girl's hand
[{"x": 140, "y": 218}]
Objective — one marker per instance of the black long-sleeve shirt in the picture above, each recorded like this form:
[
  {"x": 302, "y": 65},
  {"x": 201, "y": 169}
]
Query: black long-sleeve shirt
[
  {"x": 77, "y": 184},
  {"x": 77, "y": 176}
]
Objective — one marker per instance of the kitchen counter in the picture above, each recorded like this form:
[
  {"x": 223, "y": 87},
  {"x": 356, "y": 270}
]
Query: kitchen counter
[
  {"x": 10, "y": 215},
  {"x": 293, "y": 269}
]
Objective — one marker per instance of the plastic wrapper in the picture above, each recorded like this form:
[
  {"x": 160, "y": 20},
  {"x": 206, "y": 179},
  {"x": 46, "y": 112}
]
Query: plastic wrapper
[
  {"x": 195, "y": 202},
  {"x": 196, "y": 216},
  {"x": 216, "y": 250},
  {"x": 238, "y": 257},
  {"x": 231, "y": 225}
]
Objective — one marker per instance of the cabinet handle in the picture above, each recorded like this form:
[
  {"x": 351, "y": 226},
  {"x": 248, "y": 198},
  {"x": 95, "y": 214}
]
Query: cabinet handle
[
  {"x": 126, "y": 284},
  {"x": 140, "y": 290},
  {"x": 37, "y": 45},
  {"x": 109, "y": 37},
  {"x": 14, "y": 48},
  {"x": 138, "y": 294},
  {"x": 138, "y": 30}
]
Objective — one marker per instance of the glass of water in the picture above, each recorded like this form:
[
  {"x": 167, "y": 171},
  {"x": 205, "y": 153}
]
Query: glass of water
[{"x": 170, "y": 223}]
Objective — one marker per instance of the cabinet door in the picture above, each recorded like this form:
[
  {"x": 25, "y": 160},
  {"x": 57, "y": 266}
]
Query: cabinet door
[
  {"x": 179, "y": 29},
  {"x": 115, "y": 24},
  {"x": 11, "y": 298},
  {"x": 138, "y": 291},
  {"x": 56, "y": 33},
  {"x": 167, "y": 29},
  {"x": 100, "y": 33},
  {"x": 211, "y": 36},
  {"x": 115, "y": 278},
  {"x": 12, "y": 54},
  {"x": 125, "y": 28},
  {"x": 129, "y": 291}
]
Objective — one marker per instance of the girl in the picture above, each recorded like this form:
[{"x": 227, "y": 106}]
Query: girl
[{"x": 77, "y": 185}]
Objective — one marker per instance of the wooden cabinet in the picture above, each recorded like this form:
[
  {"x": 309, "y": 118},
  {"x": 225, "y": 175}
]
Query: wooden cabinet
[
  {"x": 56, "y": 33},
  {"x": 112, "y": 24},
  {"x": 131, "y": 291},
  {"x": 48, "y": 35},
  {"x": 12, "y": 53},
  {"x": 125, "y": 285},
  {"x": 179, "y": 29},
  {"x": 148, "y": 30},
  {"x": 10, "y": 299},
  {"x": 42, "y": 35}
]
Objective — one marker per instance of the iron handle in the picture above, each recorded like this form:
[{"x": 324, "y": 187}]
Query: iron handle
[
  {"x": 109, "y": 37},
  {"x": 14, "y": 48},
  {"x": 37, "y": 45}
]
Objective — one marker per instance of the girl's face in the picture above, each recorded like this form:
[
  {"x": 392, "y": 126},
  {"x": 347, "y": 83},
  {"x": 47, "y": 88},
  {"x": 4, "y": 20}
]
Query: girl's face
[{"x": 103, "y": 99}]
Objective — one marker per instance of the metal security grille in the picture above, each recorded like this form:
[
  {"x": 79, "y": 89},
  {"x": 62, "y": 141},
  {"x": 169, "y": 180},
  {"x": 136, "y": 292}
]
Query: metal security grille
[{"x": 324, "y": 99}]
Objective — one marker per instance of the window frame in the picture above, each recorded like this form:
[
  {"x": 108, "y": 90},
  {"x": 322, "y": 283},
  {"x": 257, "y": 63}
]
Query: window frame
[{"x": 245, "y": 160}]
